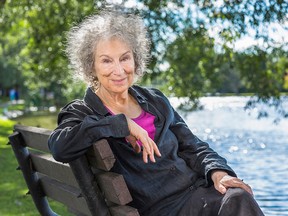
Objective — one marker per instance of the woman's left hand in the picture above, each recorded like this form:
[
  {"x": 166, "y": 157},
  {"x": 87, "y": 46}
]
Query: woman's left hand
[
  {"x": 223, "y": 181},
  {"x": 137, "y": 133}
]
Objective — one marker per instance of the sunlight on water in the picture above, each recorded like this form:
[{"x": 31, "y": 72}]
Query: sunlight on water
[{"x": 256, "y": 149}]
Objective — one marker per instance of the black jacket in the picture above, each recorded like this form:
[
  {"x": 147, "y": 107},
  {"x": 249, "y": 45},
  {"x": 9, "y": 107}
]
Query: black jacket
[{"x": 158, "y": 188}]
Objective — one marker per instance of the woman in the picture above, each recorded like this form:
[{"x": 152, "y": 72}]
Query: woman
[{"x": 168, "y": 170}]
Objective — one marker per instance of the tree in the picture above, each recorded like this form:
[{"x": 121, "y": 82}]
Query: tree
[
  {"x": 264, "y": 75},
  {"x": 39, "y": 46},
  {"x": 229, "y": 79},
  {"x": 237, "y": 17},
  {"x": 33, "y": 38},
  {"x": 258, "y": 73},
  {"x": 193, "y": 67}
]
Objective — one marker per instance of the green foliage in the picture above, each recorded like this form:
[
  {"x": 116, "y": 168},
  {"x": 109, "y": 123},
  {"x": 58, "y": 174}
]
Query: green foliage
[
  {"x": 193, "y": 65},
  {"x": 245, "y": 14},
  {"x": 32, "y": 40},
  {"x": 262, "y": 72},
  {"x": 197, "y": 66}
]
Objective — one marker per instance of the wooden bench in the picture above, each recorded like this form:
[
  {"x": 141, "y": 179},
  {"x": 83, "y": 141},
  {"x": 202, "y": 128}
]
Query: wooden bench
[{"x": 86, "y": 185}]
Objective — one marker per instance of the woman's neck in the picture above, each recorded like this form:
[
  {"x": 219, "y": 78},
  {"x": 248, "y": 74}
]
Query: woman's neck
[
  {"x": 114, "y": 100},
  {"x": 119, "y": 102}
]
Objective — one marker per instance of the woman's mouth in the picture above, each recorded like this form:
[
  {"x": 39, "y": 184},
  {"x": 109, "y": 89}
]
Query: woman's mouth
[{"x": 119, "y": 81}]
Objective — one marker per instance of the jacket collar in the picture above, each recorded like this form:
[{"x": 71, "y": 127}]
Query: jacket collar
[
  {"x": 95, "y": 103},
  {"x": 140, "y": 98}
]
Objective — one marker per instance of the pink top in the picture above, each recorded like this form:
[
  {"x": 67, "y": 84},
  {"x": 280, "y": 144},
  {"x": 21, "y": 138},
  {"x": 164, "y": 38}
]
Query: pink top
[{"x": 144, "y": 120}]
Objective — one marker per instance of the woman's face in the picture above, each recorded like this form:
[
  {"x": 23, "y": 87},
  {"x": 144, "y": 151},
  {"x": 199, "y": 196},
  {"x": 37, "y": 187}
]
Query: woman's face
[{"x": 114, "y": 65}]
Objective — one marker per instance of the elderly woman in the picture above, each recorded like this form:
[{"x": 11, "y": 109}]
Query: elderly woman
[{"x": 168, "y": 170}]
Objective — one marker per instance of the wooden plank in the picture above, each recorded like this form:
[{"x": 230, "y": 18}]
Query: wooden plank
[
  {"x": 68, "y": 195},
  {"x": 123, "y": 211},
  {"x": 100, "y": 155},
  {"x": 44, "y": 163},
  {"x": 114, "y": 188},
  {"x": 34, "y": 137},
  {"x": 75, "y": 212}
]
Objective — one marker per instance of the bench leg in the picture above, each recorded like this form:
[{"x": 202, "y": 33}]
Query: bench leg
[
  {"x": 30, "y": 176},
  {"x": 88, "y": 186}
]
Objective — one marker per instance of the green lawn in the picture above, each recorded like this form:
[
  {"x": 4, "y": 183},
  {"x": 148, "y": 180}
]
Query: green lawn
[
  {"x": 39, "y": 119},
  {"x": 13, "y": 198}
]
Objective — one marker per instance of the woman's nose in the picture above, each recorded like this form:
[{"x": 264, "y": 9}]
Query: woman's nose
[{"x": 118, "y": 69}]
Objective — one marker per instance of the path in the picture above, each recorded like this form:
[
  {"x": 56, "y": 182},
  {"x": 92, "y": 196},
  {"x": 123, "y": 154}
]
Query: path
[{"x": 9, "y": 114}]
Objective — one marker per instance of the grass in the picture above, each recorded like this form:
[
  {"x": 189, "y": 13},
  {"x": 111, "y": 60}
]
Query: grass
[
  {"x": 39, "y": 119},
  {"x": 13, "y": 198}
]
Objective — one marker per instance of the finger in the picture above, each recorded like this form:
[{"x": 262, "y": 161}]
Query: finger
[
  {"x": 231, "y": 181},
  {"x": 146, "y": 146},
  {"x": 235, "y": 182},
  {"x": 137, "y": 147},
  {"x": 221, "y": 188},
  {"x": 247, "y": 188},
  {"x": 156, "y": 150},
  {"x": 151, "y": 156},
  {"x": 145, "y": 156},
  {"x": 132, "y": 140}
]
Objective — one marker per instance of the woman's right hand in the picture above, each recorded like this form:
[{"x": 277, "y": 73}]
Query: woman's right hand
[{"x": 137, "y": 133}]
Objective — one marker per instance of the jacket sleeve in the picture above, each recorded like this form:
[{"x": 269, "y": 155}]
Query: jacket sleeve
[
  {"x": 197, "y": 154},
  {"x": 78, "y": 129}
]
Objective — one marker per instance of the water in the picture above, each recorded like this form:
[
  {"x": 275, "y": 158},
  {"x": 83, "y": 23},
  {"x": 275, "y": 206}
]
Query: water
[{"x": 256, "y": 149}]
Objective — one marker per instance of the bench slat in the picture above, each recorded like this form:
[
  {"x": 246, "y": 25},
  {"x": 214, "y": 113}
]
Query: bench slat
[
  {"x": 34, "y": 137},
  {"x": 64, "y": 182},
  {"x": 123, "y": 211},
  {"x": 45, "y": 164},
  {"x": 114, "y": 187},
  {"x": 65, "y": 194},
  {"x": 100, "y": 155}
]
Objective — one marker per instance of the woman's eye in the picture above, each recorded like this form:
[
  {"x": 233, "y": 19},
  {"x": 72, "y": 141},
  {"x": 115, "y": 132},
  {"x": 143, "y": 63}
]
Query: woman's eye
[
  {"x": 106, "y": 60},
  {"x": 126, "y": 58}
]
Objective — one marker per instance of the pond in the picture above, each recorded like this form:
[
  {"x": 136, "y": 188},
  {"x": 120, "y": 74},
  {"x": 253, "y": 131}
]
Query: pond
[{"x": 256, "y": 149}]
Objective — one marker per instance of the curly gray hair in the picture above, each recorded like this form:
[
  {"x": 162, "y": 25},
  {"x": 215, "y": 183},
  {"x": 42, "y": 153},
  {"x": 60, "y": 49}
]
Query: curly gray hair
[{"x": 83, "y": 39}]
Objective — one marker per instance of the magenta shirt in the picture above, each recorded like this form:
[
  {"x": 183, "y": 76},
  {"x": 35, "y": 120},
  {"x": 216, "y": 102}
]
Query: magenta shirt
[{"x": 144, "y": 120}]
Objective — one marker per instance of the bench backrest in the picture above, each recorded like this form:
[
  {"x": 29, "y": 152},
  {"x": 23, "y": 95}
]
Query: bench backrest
[{"x": 86, "y": 185}]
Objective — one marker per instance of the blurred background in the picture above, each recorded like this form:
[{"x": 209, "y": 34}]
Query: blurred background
[{"x": 222, "y": 63}]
